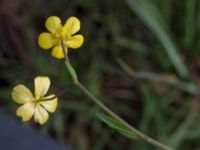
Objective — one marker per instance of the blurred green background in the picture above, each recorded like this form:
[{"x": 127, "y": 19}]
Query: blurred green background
[{"x": 141, "y": 57}]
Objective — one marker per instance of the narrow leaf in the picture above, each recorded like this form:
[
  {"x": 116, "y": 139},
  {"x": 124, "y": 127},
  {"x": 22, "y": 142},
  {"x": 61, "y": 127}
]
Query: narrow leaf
[
  {"x": 152, "y": 18},
  {"x": 118, "y": 126}
]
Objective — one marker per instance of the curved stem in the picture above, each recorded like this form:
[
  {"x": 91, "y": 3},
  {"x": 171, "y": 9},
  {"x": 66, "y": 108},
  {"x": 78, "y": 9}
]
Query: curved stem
[
  {"x": 106, "y": 109},
  {"x": 112, "y": 114},
  {"x": 183, "y": 85}
]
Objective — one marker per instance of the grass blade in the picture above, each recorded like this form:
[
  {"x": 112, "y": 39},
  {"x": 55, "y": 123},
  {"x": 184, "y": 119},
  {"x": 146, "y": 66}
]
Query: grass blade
[
  {"x": 150, "y": 16},
  {"x": 118, "y": 126},
  {"x": 190, "y": 23}
]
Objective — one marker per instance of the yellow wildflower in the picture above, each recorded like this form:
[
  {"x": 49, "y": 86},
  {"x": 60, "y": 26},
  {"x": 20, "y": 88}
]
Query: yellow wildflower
[
  {"x": 36, "y": 104},
  {"x": 57, "y": 32}
]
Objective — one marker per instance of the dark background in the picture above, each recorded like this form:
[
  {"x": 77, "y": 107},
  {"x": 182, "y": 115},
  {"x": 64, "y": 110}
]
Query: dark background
[{"x": 158, "y": 93}]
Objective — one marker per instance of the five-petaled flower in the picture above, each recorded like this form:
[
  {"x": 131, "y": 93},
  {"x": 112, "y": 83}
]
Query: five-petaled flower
[
  {"x": 36, "y": 104},
  {"x": 57, "y": 32}
]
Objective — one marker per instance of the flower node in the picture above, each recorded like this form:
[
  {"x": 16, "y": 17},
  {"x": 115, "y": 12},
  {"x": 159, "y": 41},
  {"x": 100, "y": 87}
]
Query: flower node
[
  {"x": 58, "y": 32},
  {"x": 37, "y": 104}
]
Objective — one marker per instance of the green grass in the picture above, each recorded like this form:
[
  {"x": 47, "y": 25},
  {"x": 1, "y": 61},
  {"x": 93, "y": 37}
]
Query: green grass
[{"x": 155, "y": 88}]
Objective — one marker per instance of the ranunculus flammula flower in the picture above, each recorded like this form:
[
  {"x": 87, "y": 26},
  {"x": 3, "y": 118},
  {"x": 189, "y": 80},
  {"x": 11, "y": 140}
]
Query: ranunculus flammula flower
[
  {"x": 37, "y": 104},
  {"x": 58, "y": 32}
]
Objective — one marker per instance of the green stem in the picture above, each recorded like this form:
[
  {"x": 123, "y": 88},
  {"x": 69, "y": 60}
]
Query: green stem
[
  {"x": 112, "y": 114},
  {"x": 105, "y": 108},
  {"x": 183, "y": 85}
]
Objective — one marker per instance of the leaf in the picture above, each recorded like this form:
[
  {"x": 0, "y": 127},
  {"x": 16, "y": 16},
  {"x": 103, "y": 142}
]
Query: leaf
[
  {"x": 190, "y": 24},
  {"x": 115, "y": 124},
  {"x": 152, "y": 18}
]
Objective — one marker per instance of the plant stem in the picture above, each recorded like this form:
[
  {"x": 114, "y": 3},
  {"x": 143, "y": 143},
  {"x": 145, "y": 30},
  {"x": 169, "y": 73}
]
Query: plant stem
[
  {"x": 112, "y": 114},
  {"x": 105, "y": 108},
  {"x": 183, "y": 85}
]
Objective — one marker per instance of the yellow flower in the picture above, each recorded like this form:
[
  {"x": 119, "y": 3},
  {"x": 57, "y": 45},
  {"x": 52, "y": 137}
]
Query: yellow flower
[
  {"x": 36, "y": 104},
  {"x": 57, "y": 32}
]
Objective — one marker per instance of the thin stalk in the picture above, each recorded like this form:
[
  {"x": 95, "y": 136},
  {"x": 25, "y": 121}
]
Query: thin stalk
[
  {"x": 183, "y": 85},
  {"x": 105, "y": 108},
  {"x": 112, "y": 114},
  {"x": 177, "y": 137}
]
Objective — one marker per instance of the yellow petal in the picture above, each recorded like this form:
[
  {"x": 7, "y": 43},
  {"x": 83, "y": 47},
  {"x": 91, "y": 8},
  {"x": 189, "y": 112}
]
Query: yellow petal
[
  {"x": 75, "y": 41},
  {"x": 26, "y": 111},
  {"x": 45, "y": 40},
  {"x": 21, "y": 94},
  {"x": 50, "y": 97},
  {"x": 71, "y": 26},
  {"x": 53, "y": 24},
  {"x": 58, "y": 52},
  {"x": 42, "y": 85},
  {"x": 50, "y": 105},
  {"x": 41, "y": 115}
]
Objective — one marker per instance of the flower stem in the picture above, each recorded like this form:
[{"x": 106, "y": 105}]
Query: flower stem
[
  {"x": 112, "y": 114},
  {"x": 105, "y": 108}
]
